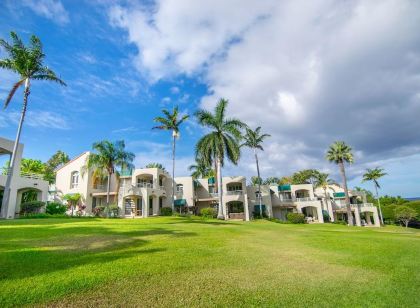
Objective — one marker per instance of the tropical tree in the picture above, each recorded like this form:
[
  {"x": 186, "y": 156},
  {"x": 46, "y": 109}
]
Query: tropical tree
[
  {"x": 306, "y": 176},
  {"x": 253, "y": 140},
  {"x": 271, "y": 180},
  {"x": 284, "y": 180},
  {"x": 201, "y": 169},
  {"x": 172, "y": 122},
  {"x": 107, "y": 156},
  {"x": 374, "y": 175},
  {"x": 155, "y": 165},
  {"x": 322, "y": 180},
  {"x": 220, "y": 143},
  {"x": 256, "y": 181},
  {"x": 27, "y": 62},
  {"x": 405, "y": 214},
  {"x": 339, "y": 153},
  {"x": 58, "y": 159},
  {"x": 72, "y": 200}
]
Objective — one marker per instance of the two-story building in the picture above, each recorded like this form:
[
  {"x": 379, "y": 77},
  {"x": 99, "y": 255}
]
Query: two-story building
[
  {"x": 144, "y": 192},
  {"x": 21, "y": 182}
]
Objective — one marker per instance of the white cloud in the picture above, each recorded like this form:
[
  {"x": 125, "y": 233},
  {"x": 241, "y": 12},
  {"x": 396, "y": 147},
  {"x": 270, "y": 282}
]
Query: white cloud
[
  {"x": 38, "y": 119},
  {"x": 129, "y": 129},
  {"x": 308, "y": 72},
  {"x": 51, "y": 9},
  {"x": 174, "y": 90}
]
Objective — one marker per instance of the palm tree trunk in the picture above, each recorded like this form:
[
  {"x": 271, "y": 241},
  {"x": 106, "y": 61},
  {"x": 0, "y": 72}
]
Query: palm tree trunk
[
  {"x": 329, "y": 206},
  {"x": 108, "y": 188},
  {"x": 379, "y": 205},
  {"x": 6, "y": 194},
  {"x": 220, "y": 213},
  {"x": 173, "y": 169},
  {"x": 346, "y": 192},
  {"x": 259, "y": 183}
]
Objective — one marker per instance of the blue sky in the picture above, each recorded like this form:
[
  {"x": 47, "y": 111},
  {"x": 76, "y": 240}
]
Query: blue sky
[{"x": 309, "y": 74}]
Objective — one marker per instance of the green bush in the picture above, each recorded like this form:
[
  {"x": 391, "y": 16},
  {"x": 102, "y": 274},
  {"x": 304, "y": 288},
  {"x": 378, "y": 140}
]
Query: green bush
[
  {"x": 296, "y": 218},
  {"x": 55, "y": 208},
  {"x": 340, "y": 222},
  {"x": 98, "y": 210},
  {"x": 31, "y": 207},
  {"x": 166, "y": 211},
  {"x": 208, "y": 212},
  {"x": 111, "y": 211}
]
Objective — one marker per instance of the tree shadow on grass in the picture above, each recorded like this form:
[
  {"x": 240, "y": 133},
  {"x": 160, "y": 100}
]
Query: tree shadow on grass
[
  {"x": 78, "y": 246},
  {"x": 214, "y": 222}
]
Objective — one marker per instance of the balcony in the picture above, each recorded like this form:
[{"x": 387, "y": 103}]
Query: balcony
[
  {"x": 32, "y": 176},
  {"x": 144, "y": 185},
  {"x": 233, "y": 192},
  {"x": 305, "y": 199}
]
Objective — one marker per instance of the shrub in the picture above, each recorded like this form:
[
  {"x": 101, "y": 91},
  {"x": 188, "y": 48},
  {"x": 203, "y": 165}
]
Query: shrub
[
  {"x": 31, "y": 207},
  {"x": 111, "y": 210},
  {"x": 296, "y": 218},
  {"x": 98, "y": 210},
  {"x": 340, "y": 222},
  {"x": 208, "y": 212},
  {"x": 166, "y": 211},
  {"x": 44, "y": 215},
  {"x": 55, "y": 208}
]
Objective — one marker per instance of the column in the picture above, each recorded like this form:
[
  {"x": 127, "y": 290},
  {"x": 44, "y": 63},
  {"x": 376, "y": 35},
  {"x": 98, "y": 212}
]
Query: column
[
  {"x": 145, "y": 205},
  {"x": 330, "y": 210},
  {"x": 357, "y": 216},
  {"x": 376, "y": 221},
  {"x": 246, "y": 208},
  {"x": 319, "y": 212},
  {"x": 368, "y": 218},
  {"x": 11, "y": 207},
  {"x": 155, "y": 206}
]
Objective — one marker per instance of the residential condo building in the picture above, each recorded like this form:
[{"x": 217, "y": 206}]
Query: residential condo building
[{"x": 144, "y": 192}]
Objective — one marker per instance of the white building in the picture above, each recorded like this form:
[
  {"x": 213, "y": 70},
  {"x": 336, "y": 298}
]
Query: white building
[
  {"x": 21, "y": 182},
  {"x": 144, "y": 192}
]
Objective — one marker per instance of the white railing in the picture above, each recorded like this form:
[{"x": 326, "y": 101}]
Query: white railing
[
  {"x": 100, "y": 187},
  {"x": 144, "y": 185},
  {"x": 129, "y": 190},
  {"x": 214, "y": 195},
  {"x": 234, "y": 192},
  {"x": 306, "y": 199},
  {"x": 286, "y": 200}
]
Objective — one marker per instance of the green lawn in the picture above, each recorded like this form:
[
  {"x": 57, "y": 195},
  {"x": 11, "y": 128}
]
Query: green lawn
[{"x": 193, "y": 262}]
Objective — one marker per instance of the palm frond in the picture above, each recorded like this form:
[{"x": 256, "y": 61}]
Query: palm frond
[{"x": 12, "y": 92}]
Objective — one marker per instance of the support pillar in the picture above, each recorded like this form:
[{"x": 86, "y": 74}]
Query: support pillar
[
  {"x": 320, "y": 216},
  {"x": 357, "y": 216},
  {"x": 376, "y": 221}
]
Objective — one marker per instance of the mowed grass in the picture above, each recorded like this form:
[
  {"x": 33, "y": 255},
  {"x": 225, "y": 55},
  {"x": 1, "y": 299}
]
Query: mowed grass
[{"x": 193, "y": 262}]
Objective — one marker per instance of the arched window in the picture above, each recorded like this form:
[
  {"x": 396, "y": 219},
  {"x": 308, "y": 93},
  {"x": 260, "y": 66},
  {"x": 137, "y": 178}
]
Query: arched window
[{"x": 74, "y": 180}]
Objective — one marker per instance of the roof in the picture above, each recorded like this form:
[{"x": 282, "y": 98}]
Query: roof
[{"x": 70, "y": 161}]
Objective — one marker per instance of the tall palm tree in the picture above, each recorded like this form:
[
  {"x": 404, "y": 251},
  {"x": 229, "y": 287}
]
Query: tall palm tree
[
  {"x": 171, "y": 121},
  {"x": 108, "y": 156},
  {"x": 339, "y": 153},
  {"x": 27, "y": 62},
  {"x": 322, "y": 180},
  {"x": 374, "y": 175},
  {"x": 253, "y": 140},
  {"x": 200, "y": 169},
  {"x": 222, "y": 142}
]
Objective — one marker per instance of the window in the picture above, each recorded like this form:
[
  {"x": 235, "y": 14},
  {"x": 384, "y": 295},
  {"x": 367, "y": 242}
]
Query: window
[
  {"x": 74, "y": 181},
  {"x": 179, "y": 188},
  {"x": 234, "y": 187}
]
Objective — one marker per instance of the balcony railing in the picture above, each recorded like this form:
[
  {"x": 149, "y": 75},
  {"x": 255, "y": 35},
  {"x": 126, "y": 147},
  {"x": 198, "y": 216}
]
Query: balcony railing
[
  {"x": 144, "y": 185},
  {"x": 286, "y": 200},
  {"x": 100, "y": 187},
  {"x": 234, "y": 192},
  {"x": 214, "y": 195},
  {"x": 305, "y": 199}
]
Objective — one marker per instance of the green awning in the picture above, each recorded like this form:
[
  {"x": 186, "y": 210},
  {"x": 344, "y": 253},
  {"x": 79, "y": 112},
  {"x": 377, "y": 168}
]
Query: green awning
[
  {"x": 339, "y": 195},
  {"x": 284, "y": 187},
  {"x": 180, "y": 202},
  {"x": 211, "y": 180}
]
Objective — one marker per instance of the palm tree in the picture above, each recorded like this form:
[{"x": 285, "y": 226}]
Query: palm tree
[
  {"x": 322, "y": 180},
  {"x": 254, "y": 140},
  {"x": 155, "y": 165},
  {"x": 171, "y": 121},
  {"x": 109, "y": 155},
  {"x": 221, "y": 142},
  {"x": 339, "y": 153},
  {"x": 27, "y": 62},
  {"x": 200, "y": 169},
  {"x": 374, "y": 175}
]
